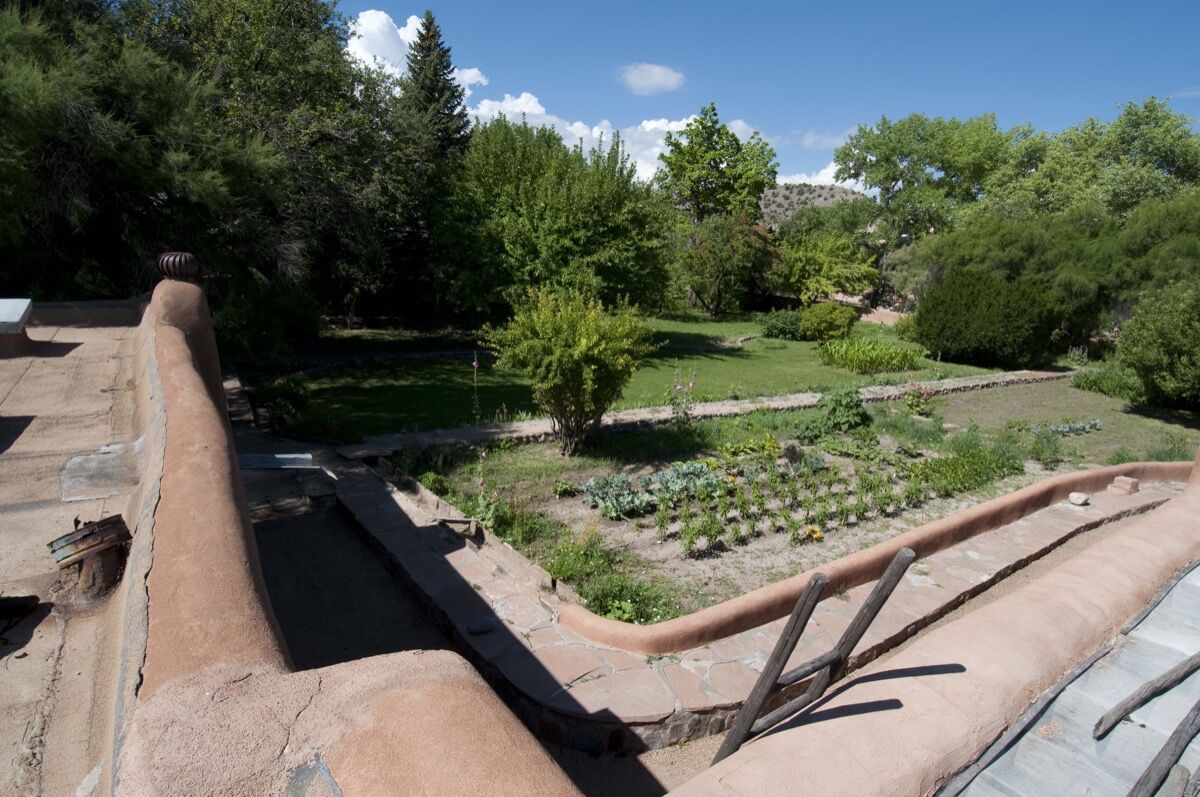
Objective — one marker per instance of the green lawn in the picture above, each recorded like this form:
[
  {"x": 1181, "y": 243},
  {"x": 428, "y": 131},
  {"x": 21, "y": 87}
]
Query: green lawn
[{"x": 436, "y": 393}]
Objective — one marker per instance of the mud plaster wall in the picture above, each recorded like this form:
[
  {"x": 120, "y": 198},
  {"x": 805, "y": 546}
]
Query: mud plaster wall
[{"x": 218, "y": 710}]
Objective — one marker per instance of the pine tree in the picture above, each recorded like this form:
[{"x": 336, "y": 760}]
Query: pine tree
[
  {"x": 438, "y": 132},
  {"x": 432, "y": 98}
]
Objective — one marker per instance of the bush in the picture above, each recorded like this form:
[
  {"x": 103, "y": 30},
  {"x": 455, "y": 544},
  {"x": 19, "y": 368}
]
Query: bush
[
  {"x": 1111, "y": 379},
  {"x": 578, "y": 357},
  {"x": 973, "y": 464},
  {"x": 435, "y": 483},
  {"x": 619, "y": 596},
  {"x": 868, "y": 356},
  {"x": 838, "y": 411},
  {"x": 1159, "y": 344},
  {"x": 827, "y": 321},
  {"x": 782, "y": 325},
  {"x": 975, "y": 317},
  {"x": 906, "y": 328},
  {"x": 284, "y": 398}
]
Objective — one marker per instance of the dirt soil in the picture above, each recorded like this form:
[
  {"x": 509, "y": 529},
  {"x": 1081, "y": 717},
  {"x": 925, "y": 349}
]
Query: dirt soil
[{"x": 729, "y": 570}]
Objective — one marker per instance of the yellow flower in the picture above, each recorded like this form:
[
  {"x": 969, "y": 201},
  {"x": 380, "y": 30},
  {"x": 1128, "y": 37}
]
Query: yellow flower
[{"x": 813, "y": 534}]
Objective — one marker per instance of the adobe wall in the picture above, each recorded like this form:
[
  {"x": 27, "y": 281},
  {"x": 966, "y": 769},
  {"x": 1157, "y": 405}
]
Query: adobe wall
[
  {"x": 205, "y": 698},
  {"x": 956, "y": 690}
]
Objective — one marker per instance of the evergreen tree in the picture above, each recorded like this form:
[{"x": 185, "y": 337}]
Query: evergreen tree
[
  {"x": 437, "y": 131},
  {"x": 432, "y": 98}
]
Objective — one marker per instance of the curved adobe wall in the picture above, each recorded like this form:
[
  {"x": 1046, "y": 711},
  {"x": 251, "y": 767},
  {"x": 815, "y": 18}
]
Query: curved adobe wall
[
  {"x": 207, "y": 602},
  {"x": 1007, "y": 653},
  {"x": 775, "y": 600},
  {"x": 219, "y": 710}
]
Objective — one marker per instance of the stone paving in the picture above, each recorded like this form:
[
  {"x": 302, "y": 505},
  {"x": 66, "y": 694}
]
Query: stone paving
[
  {"x": 540, "y": 429},
  {"x": 503, "y": 609}
]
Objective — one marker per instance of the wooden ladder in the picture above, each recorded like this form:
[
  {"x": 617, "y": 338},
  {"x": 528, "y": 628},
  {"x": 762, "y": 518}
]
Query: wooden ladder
[{"x": 828, "y": 668}]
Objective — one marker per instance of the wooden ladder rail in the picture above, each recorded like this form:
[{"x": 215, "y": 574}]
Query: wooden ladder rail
[{"x": 829, "y": 667}]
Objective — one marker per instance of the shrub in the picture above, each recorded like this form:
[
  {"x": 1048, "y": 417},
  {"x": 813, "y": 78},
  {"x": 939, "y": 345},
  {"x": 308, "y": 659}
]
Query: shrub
[
  {"x": 435, "y": 483},
  {"x": 619, "y": 596},
  {"x": 973, "y": 464},
  {"x": 827, "y": 321},
  {"x": 1159, "y": 344},
  {"x": 867, "y": 356},
  {"x": 284, "y": 398},
  {"x": 578, "y": 357},
  {"x": 782, "y": 324},
  {"x": 1111, "y": 379},
  {"x": 975, "y": 317},
  {"x": 906, "y": 328}
]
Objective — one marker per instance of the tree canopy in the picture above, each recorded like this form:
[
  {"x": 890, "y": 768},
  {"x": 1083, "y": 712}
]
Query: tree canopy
[{"x": 708, "y": 170}]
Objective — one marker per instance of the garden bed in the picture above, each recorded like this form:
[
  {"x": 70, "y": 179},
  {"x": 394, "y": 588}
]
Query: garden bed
[
  {"x": 647, "y": 523},
  {"x": 652, "y": 522}
]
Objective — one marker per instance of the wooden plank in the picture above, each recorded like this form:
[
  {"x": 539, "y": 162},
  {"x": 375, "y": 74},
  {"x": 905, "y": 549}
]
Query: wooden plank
[
  {"x": 1143, "y": 694},
  {"x": 845, "y": 646},
  {"x": 1155, "y": 774},
  {"x": 767, "y": 680}
]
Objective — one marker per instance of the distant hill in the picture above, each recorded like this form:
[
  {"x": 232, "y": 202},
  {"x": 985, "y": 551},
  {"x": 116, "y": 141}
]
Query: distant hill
[{"x": 780, "y": 202}]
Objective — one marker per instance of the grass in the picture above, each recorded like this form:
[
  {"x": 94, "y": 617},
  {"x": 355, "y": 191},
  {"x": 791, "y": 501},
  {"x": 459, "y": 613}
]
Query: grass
[
  {"x": 411, "y": 394},
  {"x": 981, "y": 440},
  {"x": 1137, "y": 430}
]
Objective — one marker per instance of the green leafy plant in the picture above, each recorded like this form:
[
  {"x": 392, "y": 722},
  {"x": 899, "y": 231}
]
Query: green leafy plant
[
  {"x": 1045, "y": 448},
  {"x": 782, "y": 325},
  {"x": 1111, "y": 379},
  {"x": 564, "y": 489},
  {"x": 868, "y": 356},
  {"x": 706, "y": 526},
  {"x": 434, "y": 483},
  {"x": 1159, "y": 344},
  {"x": 578, "y": 356},
  {"x": 616, "y": 497},
  {"x": 827, "y": 321}
]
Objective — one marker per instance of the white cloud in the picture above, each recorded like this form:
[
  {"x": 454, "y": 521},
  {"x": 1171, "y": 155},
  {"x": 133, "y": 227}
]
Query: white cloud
[
  {"x": 741, "y": 128},
  {"x": 377, "y": 40},
  {"x": 1191, "y": 92},
  {"x": 471, "y": 76},
  {"x": 647, "y": 79}
]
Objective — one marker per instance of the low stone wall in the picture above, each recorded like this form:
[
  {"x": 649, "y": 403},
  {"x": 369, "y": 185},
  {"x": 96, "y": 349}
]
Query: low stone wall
[{"x": 776, "y": 600}]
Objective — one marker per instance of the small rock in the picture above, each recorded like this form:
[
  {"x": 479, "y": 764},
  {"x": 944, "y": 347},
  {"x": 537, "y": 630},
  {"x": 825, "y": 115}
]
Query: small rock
[{"x": 1078, "y": 499}]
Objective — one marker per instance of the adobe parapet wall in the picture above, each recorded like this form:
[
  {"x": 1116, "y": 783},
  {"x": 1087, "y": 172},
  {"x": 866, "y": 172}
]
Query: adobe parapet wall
[
  {"x": 776, "y": 600},
  {"x": 207, "y": 700}
]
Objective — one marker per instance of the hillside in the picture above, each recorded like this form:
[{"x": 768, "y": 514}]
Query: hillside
[{"x": 780, "y": 202}]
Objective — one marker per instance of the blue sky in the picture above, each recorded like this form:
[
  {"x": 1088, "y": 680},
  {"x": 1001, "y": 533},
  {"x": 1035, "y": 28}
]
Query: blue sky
[{"x": 802, "y": 74}]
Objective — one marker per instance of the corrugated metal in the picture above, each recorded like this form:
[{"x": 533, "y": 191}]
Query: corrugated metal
[{"x": 1057, "y": 754}]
